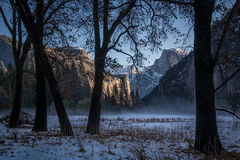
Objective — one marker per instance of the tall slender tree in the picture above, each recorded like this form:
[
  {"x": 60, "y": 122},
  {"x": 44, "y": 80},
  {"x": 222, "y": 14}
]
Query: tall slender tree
[
  {"x": 20, "y": 51},
  {"x": 114, "y": 22}
]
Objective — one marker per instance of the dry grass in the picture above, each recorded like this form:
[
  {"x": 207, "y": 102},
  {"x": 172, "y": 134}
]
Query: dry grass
[{"x": 135, "y": 138}]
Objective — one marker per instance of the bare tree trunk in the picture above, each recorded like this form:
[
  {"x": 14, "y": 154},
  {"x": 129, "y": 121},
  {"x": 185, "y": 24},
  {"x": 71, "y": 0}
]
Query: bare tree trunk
[
  {"x": 40, "y": 123},
  {"x": 206, "y": 137},
  {"x": 66, "y": 128},
  {"x": 95, "y": 108},
  {"x": 15, "y": 114},
  {"x": 35, "y": 26}
]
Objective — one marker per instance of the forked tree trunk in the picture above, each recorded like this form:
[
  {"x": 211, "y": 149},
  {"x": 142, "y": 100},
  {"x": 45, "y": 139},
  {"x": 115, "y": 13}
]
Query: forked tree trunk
[
  {"x": 15, "y": 113},
  {"x": 206, "y": 138},
  {"x": 40, "y": 122},
  {"x": 65, "y": 125},
  {"x": 95, "y": 108},
  {"x": 35, "y": 26}
]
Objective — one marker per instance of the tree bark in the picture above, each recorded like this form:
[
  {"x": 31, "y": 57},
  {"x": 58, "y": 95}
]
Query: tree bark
[
  {"x": 206, "y": 138},
  {"x": 95, "y": 108},
  {"x": 40, "y": 122},
  {"x": 15, "y": 114}
]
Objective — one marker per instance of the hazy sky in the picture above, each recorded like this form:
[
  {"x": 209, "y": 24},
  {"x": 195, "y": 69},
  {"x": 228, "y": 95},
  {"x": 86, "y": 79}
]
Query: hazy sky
[{"x": 169, "y": 43}]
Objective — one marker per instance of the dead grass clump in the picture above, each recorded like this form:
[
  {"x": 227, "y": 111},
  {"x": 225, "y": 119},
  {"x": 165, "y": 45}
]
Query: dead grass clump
[
  {"x": 81, "y": 148},
  {"x": 226, "y": 155},
  {"x": 139, "y": 151}
]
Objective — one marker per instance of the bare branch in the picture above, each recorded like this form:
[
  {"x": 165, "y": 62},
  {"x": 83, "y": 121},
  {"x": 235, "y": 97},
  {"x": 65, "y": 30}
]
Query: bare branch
[
  {"x": 130, "y": 35},
  {"x": 229, "y": 78},
  {"x": 49, "y": 4},
  {"x": 5, "y": 20},
  {"x": 153, "y": 11},
  {"x": 25, "y": 13},
  {"x": 119, "y": 36},
  {"x": 225, "y": 110},
  {"x": 120, "y": 17},
  {"x": 55, "y": 10},
  {"x": 120, "y": 6},
  {"x": 179, "y": 2},
  {"x": 187, "y": 35},
  {"x": 127, "y": 54}
]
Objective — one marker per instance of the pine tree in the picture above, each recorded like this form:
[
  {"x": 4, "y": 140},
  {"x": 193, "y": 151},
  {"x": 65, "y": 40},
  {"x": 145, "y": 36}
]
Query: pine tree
[{"x": 137, "y": 98}]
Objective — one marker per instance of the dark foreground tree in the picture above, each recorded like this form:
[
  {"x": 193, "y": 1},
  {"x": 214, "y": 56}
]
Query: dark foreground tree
[
  {"x": 116, "y": 23},
  {"x": 20, "y": 51},
  {"x": 101, "y": 51},
  {"x": 206, "y": 138},
  {"x": 40, "y": 121},
  {"x": 35, "y": 28}
]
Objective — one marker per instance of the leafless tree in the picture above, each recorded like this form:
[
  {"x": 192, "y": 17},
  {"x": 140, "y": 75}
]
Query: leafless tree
[
  {"x": 109, "y": 25},
  {"x": 39, "y": 25},
  {"x": 20, "y": 48}
]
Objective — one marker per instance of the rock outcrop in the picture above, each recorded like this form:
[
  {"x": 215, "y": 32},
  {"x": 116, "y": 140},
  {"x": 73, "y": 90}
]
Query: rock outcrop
[
  {"x": 3, "y": 68},
  {"x": 146, "y": 80},
  {"x": 176, "y": 84},
  {"x": 75, "y": 71},
  {"x": 168, "y": 59}
]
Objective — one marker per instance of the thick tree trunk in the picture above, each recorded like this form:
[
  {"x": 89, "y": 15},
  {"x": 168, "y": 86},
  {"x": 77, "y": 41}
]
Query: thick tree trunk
[
  {"x": 95, "y": 108},
  {"x": 206, "y": 137},
  {"x": 15, "y": 114},
  {"x": 66, "y": 128},
  {"x": 40, "y": 122}
]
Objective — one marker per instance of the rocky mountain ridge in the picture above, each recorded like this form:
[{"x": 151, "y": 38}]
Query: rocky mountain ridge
[
  {"x": 144, "y": 81},
  {"x": 74, "y": 70}
]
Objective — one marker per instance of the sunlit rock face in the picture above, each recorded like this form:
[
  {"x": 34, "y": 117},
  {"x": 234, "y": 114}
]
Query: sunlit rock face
[
  {"x": 75, "y": 71},
  {"x": 177, "y": 83},
  {"x": 3, "y": 68}
]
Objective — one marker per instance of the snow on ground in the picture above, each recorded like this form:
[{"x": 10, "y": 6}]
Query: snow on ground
[{"x": 121, "y": 137}]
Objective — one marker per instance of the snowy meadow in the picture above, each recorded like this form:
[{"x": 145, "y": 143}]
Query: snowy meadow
[{"x": 128, "y": 136}]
